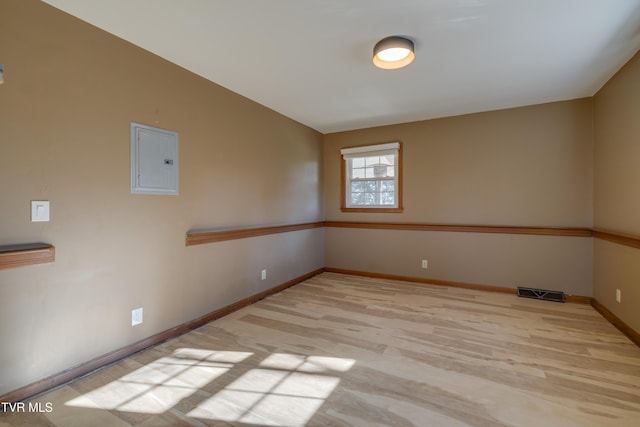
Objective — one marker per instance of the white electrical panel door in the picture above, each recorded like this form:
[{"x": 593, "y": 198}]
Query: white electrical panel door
[{"x": 154, "y": 160}]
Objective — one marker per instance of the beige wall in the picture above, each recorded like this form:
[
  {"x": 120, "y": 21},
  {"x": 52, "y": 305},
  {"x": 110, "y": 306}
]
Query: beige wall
[
  {"x": 528, "y": 166},
  {"x": 524, "y": 166},
  {"x": 617, "y": 190},
  {"x": 69, "y": 95},
  {"x": 508, "y": 261}
]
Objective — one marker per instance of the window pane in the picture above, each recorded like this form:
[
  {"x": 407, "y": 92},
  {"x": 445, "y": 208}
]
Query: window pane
[
  {"x": 380, "y": 171},
  {"x": 357, "y": 198},
  {"x": 391, "y": 171},
  {"x": 357, "y": 162},
  {"x": 369, "y": 173},
  {"x": 387, "y": 185},
  {"x": 374, "y": 160},
  {"x": 387, "y": 198},
  {"x": 371, "y": 186},
  {"x": 358, "y": 186},
  {"x": 388, "y": 159},
  {"x": 357, "y": 173},
  {"x": 370, "y": 199}
]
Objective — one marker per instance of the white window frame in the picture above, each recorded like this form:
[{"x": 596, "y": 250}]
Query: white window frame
[{"x": 348, "y": 157}]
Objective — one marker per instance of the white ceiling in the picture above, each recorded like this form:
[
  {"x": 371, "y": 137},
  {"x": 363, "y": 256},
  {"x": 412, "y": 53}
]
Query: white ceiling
[{"x": 311, "y": 59}]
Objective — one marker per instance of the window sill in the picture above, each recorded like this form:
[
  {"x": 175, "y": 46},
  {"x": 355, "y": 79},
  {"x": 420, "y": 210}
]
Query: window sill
[{"x": 373, "y": 210}]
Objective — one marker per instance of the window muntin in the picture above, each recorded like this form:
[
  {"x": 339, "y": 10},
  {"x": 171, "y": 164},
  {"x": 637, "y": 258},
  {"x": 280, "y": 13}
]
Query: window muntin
[{"x": 371, "y": 177}]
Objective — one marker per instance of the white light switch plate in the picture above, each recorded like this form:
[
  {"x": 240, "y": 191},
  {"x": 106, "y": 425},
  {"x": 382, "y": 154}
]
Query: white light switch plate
[{"x": 39, "y": 210}]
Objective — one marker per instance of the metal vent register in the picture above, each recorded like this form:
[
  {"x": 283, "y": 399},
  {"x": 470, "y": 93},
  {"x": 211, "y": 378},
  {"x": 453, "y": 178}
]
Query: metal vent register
[{"x": 541, "y": 294}]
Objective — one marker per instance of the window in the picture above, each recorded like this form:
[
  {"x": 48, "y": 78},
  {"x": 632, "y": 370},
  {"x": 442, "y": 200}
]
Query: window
[{"x": 372, "y": 178}]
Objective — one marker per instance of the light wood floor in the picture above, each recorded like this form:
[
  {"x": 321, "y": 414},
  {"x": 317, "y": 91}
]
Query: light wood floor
[{"x": 342, "y": 350}]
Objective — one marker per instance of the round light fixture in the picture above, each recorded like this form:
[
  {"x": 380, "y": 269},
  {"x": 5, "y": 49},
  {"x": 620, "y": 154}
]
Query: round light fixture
[{"x": 393, "y": 52}]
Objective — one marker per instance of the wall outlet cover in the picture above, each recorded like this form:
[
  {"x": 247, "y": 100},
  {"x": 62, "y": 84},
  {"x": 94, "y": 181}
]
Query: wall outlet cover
[{"x": 136, "y": 316}]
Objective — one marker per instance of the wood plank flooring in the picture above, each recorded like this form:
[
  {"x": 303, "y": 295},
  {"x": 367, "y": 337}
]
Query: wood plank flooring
[{"x": 344, "y": 350}]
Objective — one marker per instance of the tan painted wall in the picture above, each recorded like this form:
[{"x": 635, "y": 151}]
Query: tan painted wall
[
  {"x": 617, "y": 190},
  {"x": 528, "y": 166},
  {"x": 69, "y": 95}
]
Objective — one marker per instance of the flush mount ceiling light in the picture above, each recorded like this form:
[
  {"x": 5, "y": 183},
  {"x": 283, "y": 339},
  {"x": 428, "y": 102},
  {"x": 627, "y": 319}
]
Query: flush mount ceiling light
[{"x": 393, "y": 52}]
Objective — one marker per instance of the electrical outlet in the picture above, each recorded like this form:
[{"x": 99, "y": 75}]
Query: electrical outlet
[
  {"x": 425, "y": 264},
  {"x": 136, "y": 316},
  {"x": 264, "y": 274},
  {"x": 618, "y": 295}
]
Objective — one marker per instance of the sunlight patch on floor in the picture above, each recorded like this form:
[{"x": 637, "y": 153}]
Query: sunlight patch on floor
[
  {"x": 158, "y": 386},
  {"x": 306, "y": 363},
  {"x": 287, "y": 389},
  {"x": 282, "y": 389}
]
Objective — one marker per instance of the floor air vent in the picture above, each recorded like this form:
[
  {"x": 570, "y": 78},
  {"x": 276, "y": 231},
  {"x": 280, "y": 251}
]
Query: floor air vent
[{"x": 541, "y": 294}]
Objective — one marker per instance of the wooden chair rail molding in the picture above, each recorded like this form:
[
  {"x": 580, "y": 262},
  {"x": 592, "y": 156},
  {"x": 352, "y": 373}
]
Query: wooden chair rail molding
[
  {"x": 620, "y": 238},
  {"x": 502, "y": 229},
  {"x": 202, "y": 237},
  {"x": 12, "y": 256}
]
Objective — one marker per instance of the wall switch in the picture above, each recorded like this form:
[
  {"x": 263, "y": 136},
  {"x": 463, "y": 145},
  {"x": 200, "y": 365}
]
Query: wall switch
[
  {"x": 39, "y": 210},
  {"x": 618, "y": 295},
  {"x": 425, "y": 264},
  {"x": 264, "y": 274},
  {"x": 136, "y": 316}
]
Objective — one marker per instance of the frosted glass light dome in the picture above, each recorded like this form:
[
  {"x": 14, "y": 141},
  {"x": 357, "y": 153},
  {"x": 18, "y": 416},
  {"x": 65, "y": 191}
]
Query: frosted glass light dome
[{"x": 393, "y": 52}]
